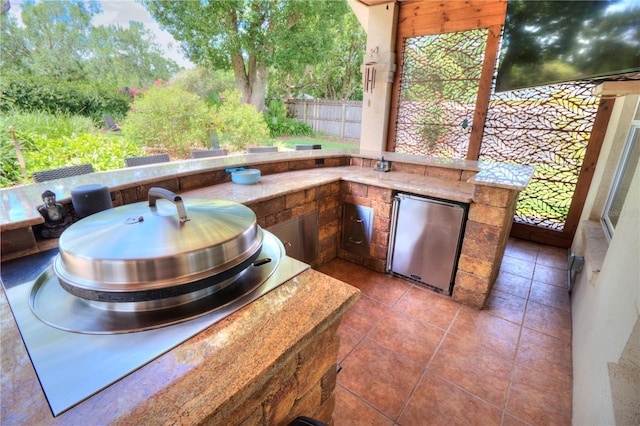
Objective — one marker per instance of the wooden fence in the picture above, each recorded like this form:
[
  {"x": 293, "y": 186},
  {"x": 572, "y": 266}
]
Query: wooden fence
[{"x": 337, "y": 118}]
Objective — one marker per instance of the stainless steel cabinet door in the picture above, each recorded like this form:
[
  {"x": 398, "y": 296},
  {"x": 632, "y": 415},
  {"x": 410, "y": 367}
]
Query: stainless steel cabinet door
[{"x": 425, "y": 242}]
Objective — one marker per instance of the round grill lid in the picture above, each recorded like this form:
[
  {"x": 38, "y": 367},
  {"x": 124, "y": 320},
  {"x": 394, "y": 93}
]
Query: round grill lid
[{"x": 153, "y": 245}]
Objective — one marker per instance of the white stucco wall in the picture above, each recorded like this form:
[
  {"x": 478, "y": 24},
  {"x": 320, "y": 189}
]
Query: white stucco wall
[
  {"x": 379, "y": 22},
  {"x": 606, "y": 304}
]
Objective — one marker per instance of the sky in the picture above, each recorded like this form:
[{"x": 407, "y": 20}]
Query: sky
[{"x": 120, "y": 12}]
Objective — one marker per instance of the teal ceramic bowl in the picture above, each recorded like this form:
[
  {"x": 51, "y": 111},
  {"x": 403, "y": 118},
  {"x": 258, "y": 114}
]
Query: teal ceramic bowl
[{"x": 246, "y": 176}]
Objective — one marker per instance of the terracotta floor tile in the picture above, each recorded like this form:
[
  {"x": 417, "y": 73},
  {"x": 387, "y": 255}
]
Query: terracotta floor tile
[
  {"x": 379, "y": 376},
  {"x": 407, "y": 336},
  {"x": 550, "y": 295},
  {"x": 428, "y": 306},
  {"x": 509, "y": 420},
  {"x": 545, "y": 353},
  {"x": 384, "y": 288},
  {"x": 352, "y": 411},
  {"x": 349, "y": 338},
  {"x": 547, "y": 320},
  {"x": 343, "y": 270},
  {"x": 506, "y": 306},
  {"x": 438, "y": 402},
  {"x": 480, "y": 372},
  {"x": 552, "y": 256},
  {"x": 520, "y": 267},
  {"x": 539, "y": 399},
  {"x": 483, "y": 329},
  {"x": 551, "y": 275},
  {"x": 364, "y": 315},
  {"x": 513, "y": 284},
  {"x": 521, "y": 249},
  {"x": 515, "y": 354}
]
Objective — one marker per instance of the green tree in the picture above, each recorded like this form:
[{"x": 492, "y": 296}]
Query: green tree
[
  {"x": 127, "y": 57},
  {"x": 338, "y": 76},
  {"x": 58, "y": 42},
  {"x": 56, "y": 36},
  {"x": 251, "y": 37},
  {"x": 204, "y": 82}
]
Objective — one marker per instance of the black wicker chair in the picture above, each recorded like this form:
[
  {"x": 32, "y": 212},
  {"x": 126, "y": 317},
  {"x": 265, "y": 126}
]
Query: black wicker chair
[
  {"x": 62, "y": 172},
  {"x": 110, "y": 123},
  {"x": 306, "y": 147},
  {"x": 257, "y": 149},
  {"x": 148, "y": 159},
  {"x": 208, "y": 153}
]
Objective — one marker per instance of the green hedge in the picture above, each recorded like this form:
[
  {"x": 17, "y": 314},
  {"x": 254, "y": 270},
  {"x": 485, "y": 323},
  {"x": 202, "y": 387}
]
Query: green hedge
[{"x": 86, "y": 99}]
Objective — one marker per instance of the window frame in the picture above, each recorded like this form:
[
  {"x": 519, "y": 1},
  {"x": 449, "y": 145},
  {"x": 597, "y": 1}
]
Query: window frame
[{"x": 632, "y": 141}]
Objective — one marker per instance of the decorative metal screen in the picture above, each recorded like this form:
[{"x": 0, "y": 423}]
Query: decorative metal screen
[
  {"x": 549, "y": 128},
  {"x": 438, "y": 90}
]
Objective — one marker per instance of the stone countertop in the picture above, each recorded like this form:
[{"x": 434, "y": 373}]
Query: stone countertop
[
  {"x": 210, "y": 372},
  {"x": 20, "y": 203},
  {"x": 285, "y": 183}
]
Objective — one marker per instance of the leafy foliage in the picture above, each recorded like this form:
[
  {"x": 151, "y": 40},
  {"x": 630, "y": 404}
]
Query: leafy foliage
[
  {"x": 205, "y": 83},
  {"x": 49, "y": 141},
  {"x": 11, "y": 172},
  {"x": 169, "y": 118},
  {"x": 280, "y": 124},
  {"x": 103, "y": 151},
  {"x": 86, "y": 99},
  {"x": 239, "y": 125},
  {"x": 252, "y": 37},
  {"x": 337, "y": 76},
  {"x": 58, "y": 41}
]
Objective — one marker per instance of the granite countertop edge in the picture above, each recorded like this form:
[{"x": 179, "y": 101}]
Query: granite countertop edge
[{"x": 216, "y": 368}]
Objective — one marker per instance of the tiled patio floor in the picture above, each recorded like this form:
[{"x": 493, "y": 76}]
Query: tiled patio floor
[{"x": 412, "y": 357}]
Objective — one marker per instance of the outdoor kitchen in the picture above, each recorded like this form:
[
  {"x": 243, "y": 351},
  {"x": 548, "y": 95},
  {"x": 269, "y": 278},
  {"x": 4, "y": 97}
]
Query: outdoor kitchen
[{"x": 280, "y": 339}]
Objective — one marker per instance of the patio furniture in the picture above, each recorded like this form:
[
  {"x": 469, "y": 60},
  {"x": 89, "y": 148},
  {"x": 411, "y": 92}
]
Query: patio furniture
[
  {"x": 62, "y": 172},
  {"x": 147, "y": 159},
  {"x": 111, "y": 123},
  {"x": 204, "y": 153},
  {"x": 257, "y": 149},
  {"x": 306, "y": 147}
]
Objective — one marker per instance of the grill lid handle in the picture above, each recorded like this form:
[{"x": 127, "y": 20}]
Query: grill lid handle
[{"x": 155, "y": 193}]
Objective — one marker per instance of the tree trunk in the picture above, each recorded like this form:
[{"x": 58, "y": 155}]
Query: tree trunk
[{"x": 251, "y": 80}]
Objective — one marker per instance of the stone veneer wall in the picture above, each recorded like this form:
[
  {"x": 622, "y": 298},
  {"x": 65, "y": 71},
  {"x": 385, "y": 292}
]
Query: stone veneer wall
[
  {"x": 301, "y": 385},
  {"x": 380, "y": 201},
  {"x": 485, "y": 239}
]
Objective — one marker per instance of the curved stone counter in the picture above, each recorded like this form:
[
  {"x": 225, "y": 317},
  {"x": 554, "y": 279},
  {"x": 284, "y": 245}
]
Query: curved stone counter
[
  {"x": 452, "y": 179},
  {"x": 20, "y": 203}
]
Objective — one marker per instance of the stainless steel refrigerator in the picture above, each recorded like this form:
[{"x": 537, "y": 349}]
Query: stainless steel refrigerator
[{"x": 425, "y": 240}]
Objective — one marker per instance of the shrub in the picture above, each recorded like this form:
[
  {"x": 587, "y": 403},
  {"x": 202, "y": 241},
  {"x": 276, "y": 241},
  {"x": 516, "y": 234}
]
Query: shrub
[
  {"x": 281, "y": 125},
  {"x": 168, "y": 118},
  {"x": 105, "y": 152},
  {"x": 85, "y": 99},
  {"x": 44, "y": 123},
  {"x": 238, "y": 124},
  {"x": 28, "y": 129},
  {"x": 10, "y": 170}
]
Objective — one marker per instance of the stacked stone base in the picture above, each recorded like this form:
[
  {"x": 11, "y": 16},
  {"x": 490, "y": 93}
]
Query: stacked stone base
[{"x": 302, "y": 384}]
